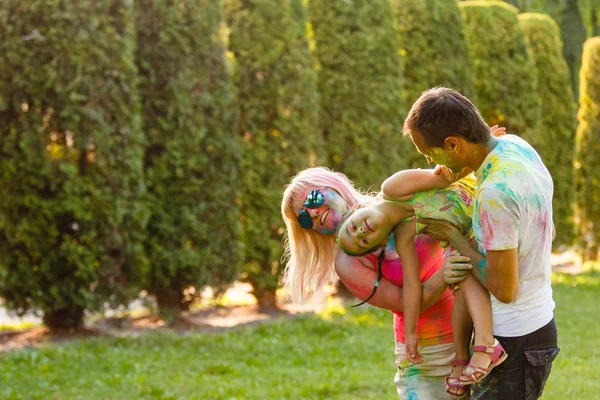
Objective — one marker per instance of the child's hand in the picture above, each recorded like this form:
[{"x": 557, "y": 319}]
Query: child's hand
[
  {"x": 497, "y": 131},
  {"x": 450, "y": 175},
  {"x": 445, "y": 171},
  {"x": 412, "y": 349}
]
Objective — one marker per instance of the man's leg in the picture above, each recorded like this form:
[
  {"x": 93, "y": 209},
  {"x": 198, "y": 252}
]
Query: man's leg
[{"x": 524, "y": 374}]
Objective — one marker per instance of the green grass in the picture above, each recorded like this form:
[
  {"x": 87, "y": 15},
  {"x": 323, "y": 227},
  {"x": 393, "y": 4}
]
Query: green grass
[{"x": 343, "y": 354}]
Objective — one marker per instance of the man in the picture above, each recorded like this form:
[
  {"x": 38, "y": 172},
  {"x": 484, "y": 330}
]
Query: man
[{"x": 513, "y": 227}]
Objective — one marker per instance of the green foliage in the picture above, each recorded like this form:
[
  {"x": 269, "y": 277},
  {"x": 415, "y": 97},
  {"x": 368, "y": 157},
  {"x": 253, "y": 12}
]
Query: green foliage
[
  {"x": 573, "y": 35},
  {"x": 587, "y": 177},
  {"x": 192, "y": 154},
  {"x": 505, "y": 78},
  {"x": 412, "y": 22},
  {"x": 555, "y": 137},
  {"x": 70, "y": 157},
  {"x": 360, "y": 81},
  {"x": 278, "y": 105},
  {"x": 574, "y": 17},
  {"x": 432, "y": 56}
]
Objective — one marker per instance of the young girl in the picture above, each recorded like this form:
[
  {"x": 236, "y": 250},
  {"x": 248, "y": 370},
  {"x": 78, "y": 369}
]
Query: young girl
[{"x": 424, "y": 194}]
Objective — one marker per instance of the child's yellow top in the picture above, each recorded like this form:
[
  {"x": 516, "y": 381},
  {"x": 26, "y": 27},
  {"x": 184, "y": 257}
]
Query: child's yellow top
[{"x": 453, "y": 204}]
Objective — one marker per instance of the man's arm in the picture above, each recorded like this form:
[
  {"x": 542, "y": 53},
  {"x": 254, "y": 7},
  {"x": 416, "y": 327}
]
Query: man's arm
[{"x": 498, "y": 272}]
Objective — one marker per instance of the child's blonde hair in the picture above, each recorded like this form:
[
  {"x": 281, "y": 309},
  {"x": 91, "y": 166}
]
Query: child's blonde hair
[{"x": 309, "y": 256}]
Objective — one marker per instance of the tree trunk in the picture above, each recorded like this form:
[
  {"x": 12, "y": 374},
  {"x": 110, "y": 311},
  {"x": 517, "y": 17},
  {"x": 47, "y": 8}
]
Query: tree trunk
[
  {"x": 170, "y": 304},
  {"x": 266, "y": 299},
  {"x": 64, "y": 319}
]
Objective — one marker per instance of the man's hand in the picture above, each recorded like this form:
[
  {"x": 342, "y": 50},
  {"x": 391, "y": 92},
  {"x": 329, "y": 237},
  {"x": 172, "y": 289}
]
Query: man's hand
[
  {"x": 456, "y": 268},
  {"x": 412, "y": 349},
  {"x": 439, "y": 229}
]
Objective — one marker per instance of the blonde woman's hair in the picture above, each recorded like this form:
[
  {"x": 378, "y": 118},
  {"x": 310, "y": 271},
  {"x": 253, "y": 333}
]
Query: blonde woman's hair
[{"x": 309, "y": 256}]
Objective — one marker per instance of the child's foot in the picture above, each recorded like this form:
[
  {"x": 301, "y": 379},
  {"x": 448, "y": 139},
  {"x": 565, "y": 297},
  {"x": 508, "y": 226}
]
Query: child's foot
[
  {"x": 483, "y": 360},
  {"x": 454, "y": 387}
]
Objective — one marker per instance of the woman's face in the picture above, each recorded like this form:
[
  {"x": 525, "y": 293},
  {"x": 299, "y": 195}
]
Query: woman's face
[{"x": 320, "y": 209}]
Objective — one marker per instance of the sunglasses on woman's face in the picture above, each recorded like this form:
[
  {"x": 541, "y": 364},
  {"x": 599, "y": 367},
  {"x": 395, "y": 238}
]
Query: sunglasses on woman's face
[{"x": 314, "y": 199}]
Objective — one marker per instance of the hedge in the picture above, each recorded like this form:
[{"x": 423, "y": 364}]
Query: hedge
[
  {"x": 71, "y": 158},
  {"x": 555, "y": 137},
  {"x": 575, "y": 18},
  {"x": 505, "y": 78},
  {"x": 192, "y": 153},
  {"x": 587, "y": 176},
  {"x": 278, "y": 105},
  {"x": 360, "y": 82},
  {"x": 433, "y": 56}
]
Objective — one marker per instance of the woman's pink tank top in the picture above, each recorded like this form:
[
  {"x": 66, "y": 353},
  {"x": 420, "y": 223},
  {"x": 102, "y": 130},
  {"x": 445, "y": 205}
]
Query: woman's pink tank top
[{"x": 435, "y": 324}]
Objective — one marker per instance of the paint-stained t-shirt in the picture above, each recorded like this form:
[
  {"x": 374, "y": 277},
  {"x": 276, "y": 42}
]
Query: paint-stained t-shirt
[{"x": 513, "y": 209}]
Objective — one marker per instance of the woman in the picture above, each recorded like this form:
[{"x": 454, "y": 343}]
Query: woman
[{"x": 312, "y": 207}]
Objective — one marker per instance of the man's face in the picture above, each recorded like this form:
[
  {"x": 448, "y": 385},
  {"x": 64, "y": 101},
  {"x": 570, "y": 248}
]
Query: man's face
[{"x": 437, "y": 155}]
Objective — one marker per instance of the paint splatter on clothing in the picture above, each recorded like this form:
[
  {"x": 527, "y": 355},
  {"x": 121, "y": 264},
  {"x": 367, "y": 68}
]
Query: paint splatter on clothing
[
  {"x": 453, "y": 204},
  {"x": 434, "y": 325},
  {"x": 513, "y": 209}
]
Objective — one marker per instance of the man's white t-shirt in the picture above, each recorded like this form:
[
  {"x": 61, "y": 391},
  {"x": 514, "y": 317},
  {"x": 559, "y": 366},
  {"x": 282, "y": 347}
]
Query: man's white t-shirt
[{"x": 513, "y": 209}]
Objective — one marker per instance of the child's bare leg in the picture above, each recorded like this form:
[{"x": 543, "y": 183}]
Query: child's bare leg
[
  {"x": 462, "y": 327},
  {"x": 478, "y": 303}
]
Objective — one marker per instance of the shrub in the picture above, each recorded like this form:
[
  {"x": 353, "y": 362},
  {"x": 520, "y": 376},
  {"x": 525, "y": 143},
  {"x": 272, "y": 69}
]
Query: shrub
[
  {"x": 360, "y": 82},
  {"x": 505, "y": 79},
  {"x": 432, "y": 56},
  {"x": 587, "y": 177},
  {"x": 192, "y": 154},
  {"x": 555, "y": 137},
  {"x": 278, "y": 104},
  {"x": 574, "y": 17},
  {"x": 71, "y": 224}
]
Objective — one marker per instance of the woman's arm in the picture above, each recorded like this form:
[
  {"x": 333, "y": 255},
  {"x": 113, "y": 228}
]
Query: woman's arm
[
  {"x": 359, "y": 278},
  {"x": 403, "y": 184},
  {"x": 405, "y": 247}
]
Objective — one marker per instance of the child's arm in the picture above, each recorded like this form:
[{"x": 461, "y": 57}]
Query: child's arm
[
  {"x": 403, "y": 184},
  {"x": 405, "y": 247}
]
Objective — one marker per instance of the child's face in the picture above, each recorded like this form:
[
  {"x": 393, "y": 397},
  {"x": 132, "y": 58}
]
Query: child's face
[{"x": 365, "y": 230}]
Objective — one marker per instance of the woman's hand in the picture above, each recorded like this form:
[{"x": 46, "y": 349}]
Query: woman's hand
[
  {"x": 456, "y": 268},
  {"x": 439, "y": 229}
]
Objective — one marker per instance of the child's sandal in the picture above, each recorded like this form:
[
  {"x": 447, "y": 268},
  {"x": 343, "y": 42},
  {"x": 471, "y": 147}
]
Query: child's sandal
[
  {"x": 496, "y": 353},
  {"x": 453, "y": 382}
]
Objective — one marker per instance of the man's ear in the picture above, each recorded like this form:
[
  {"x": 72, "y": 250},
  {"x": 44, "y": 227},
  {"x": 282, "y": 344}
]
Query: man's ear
[{"x": 452, "y": 144}]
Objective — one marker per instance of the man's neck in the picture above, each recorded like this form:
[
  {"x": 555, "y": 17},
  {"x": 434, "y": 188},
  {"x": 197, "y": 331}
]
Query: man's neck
[{"x": 480, "y": 151}]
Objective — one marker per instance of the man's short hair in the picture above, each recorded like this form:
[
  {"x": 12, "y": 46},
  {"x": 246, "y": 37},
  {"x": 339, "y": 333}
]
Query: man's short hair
[{"x": 441, "y": 112}]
